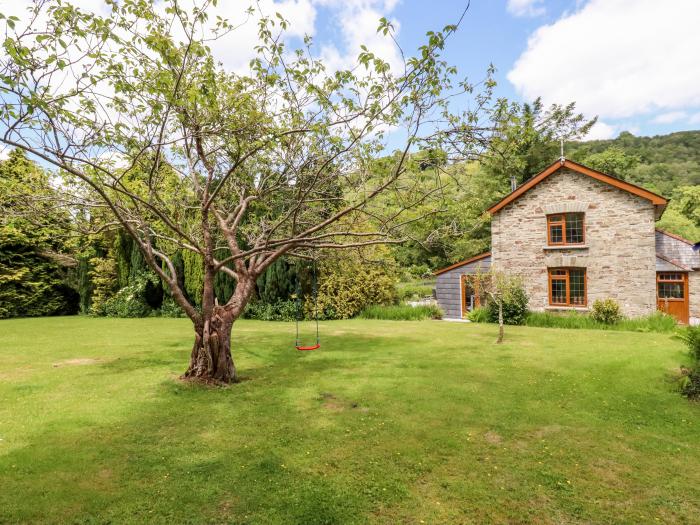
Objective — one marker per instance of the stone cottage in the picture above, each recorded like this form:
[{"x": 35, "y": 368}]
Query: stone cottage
[{"x": 575, "y": 235}]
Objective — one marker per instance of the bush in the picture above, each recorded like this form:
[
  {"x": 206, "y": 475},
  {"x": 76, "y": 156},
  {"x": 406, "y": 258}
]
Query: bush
[
  {"x": 691, "y": 337},
  {"x": 690, "y": 376},
  {"x": 514, "y": 307},
  {"x": 689, "y": 382},
  {"x": 346, "y": 287},
  {"x": 409, "y": 291},
  {"x": 103, "y": 275},
  {"x": 480, "y": 314},
  {"x": 277, "y": 311},
  {"x": 31, "y": 283},
  {"x": 170, "y": 308},
  {"x": 656, "y": 322},
  {"x": 403, "y": 312},
  {"x": 606, "y": 312},
  {"x": 130, "y": 301},
  {"x": 414, "y": 272}
]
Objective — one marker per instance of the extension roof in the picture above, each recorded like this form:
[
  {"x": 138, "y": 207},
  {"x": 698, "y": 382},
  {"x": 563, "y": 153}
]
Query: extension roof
[
  {"x": 658, "y": 201},
  {"x": 462, "y": 263}
]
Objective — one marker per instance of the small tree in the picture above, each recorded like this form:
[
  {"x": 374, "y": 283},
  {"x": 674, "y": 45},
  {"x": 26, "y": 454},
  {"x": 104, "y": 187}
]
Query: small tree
[{"x": 502, "y": 290}]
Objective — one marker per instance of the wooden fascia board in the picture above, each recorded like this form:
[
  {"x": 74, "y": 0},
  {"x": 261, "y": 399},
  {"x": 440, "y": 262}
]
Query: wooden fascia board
[{"x": 462, "y": 263}]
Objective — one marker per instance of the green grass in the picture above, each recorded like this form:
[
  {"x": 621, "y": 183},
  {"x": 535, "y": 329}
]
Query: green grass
[
  {"x": 402, "y": 312},
  {"x": 387, "y": 423},
  {"x": 656, "y": 322}
]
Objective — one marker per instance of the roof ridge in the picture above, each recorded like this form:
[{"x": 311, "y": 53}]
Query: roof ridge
[
  {"x": 675, "y": 236},
  {"x": 654, "y": 198}
]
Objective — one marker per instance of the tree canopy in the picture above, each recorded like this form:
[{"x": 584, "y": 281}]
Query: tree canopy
[{"x": 152, "y": 135}]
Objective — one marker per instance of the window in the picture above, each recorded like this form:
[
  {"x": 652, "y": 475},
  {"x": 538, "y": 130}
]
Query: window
[
  {"x": 670, "y": 286},
  {"x": 567, "y": 286},
  {"x": 565, "y": 228}
]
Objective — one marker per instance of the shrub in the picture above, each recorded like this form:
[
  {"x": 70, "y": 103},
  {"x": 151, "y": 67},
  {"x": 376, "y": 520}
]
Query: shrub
[
  {"x": 346, "y": 287},
  {"x": 690, "y": 376},
  {"x": 691, "y": 337},
  {"x": 130, "y": 301},
  {"x": 170, "y": 308},
  {"x": 514, "y": 307},
  {"x": 689, "y": 382},
  {"x": 480, "y": 314},
  {"x": 403, "y": 312},
  {"x": 277, "y": 311},
  {"x": 415, "y": 290},
  {"x": 606, "y": 312},
  {"x": 417, "y": 271},
  {"x": 31, "y": 283},
  {"x": 103, "y": 275}
]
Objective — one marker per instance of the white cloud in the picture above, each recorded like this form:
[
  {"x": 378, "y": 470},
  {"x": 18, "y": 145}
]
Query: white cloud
[
  {"x": 694, "y": 119},
  {"x": 236, "y": 49},
  {"x": 526, "y": 7},
  {"x": 615, "y": 58},
  {"x": 670, "y": 117},
  {"x": 357, "y": 22},
  {"x": 601, "y": 130}
]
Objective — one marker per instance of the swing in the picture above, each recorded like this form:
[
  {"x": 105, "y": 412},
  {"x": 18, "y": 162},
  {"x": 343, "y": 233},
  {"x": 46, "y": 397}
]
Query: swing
[{"x": 300, "y": 314}]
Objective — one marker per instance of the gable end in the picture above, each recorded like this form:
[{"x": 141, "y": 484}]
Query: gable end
[{"x": 658, "y": 201}]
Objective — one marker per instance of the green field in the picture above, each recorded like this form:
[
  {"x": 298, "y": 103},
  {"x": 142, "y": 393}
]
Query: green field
[{"x": 390, "y": 422}]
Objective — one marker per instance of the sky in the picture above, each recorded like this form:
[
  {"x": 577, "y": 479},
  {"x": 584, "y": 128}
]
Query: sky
[{"x": 632, "y": 63}]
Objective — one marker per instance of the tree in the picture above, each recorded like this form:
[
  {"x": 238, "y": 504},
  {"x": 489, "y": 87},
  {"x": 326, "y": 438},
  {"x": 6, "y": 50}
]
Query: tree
[
  {"x": 35, "y": 257},
  {"x": 527, "y": 137},
  {"x": 682, "y": 216},
  {"x": 525, "y": 140},
  {"x": 613, "y": 161},
  {"x": 31, "y": 282},
  {"x": 156, "y": 137},
  {"x": 502, "y": 291}
]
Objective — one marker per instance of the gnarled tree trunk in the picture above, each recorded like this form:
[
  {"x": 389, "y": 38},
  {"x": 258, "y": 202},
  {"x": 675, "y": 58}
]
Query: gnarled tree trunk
[{"x": 211, "y": 358}]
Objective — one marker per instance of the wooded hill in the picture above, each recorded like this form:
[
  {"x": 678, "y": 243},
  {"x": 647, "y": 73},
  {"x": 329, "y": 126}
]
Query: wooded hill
[{"x": 663, "y": 162}]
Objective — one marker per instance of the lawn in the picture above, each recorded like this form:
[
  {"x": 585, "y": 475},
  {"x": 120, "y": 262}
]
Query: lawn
[{"x": 390, "y": 422}]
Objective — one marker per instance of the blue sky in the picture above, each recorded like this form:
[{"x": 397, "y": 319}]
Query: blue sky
[{"x": 631, "y": 62}]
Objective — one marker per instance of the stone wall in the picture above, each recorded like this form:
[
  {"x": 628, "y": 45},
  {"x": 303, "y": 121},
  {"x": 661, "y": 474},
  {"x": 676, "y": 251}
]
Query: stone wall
[
  {"x": 619, "y": 251},
  {"x": 694, "y": 296}
]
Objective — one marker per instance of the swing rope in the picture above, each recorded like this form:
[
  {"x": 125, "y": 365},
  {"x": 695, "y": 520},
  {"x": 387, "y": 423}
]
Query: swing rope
[{"x": 300, "y": 313}]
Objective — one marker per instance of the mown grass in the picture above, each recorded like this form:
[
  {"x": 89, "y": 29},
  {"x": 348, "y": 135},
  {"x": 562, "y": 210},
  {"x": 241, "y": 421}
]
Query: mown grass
[
  {"x": 402, "y": 312},
  {"x": 387, "y": 423},
  {"x": 657, "y": 322}
]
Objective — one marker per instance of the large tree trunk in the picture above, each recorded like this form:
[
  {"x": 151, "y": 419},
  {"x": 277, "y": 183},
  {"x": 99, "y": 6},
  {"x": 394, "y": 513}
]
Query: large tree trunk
[{"x": 211, "y": 359}]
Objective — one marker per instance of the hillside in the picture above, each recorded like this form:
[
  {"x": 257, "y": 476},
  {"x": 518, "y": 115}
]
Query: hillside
[{"x": 664, "y": 161}]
